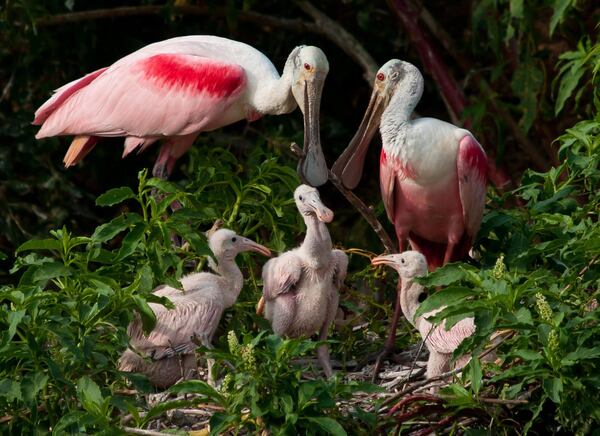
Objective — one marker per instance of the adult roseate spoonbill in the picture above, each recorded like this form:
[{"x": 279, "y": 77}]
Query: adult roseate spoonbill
[
  {"x": 440, "y": 342},
  {"x": 432, "y": 173},
  {"x": 170, "y": 346},
  {"x": 301, "y": 286},
  {"x": 177, "y": 88}
]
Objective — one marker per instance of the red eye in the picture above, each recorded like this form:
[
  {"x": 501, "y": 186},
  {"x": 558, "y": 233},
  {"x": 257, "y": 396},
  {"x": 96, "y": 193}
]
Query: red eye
[
  {"x": 380, "y": 76},
  {"x": 307, "y": 66}
]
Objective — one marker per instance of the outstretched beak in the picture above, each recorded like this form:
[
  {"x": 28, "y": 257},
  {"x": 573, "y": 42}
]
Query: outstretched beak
[
  {"x": 388, "y": 259},
  {"x": 250, "y": 245},
  {"x": 349, "y": 166},
  {"x": 323, "y": 213},
  {"x": 312, "y": 166}
]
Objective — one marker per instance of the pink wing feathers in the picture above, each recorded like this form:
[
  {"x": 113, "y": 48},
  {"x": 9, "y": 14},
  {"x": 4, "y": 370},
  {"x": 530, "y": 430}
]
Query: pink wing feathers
[
  {"x": 471, "y": 164},
  {"x": 157, "y": 95},
  {"x": 280, "y": 275},
  {"x": 175, "y": 327},
  {"x": 446, "y": 341}
]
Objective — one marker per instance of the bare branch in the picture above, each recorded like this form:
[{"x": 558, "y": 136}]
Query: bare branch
[
  {"x": 343, "y": 39},
  {"x": 364, "y": 210}
]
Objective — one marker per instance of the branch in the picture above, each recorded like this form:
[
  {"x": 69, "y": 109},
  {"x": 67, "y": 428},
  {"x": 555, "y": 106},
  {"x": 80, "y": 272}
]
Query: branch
[
  {"x": 323, "y": 25},
  {"x": 364, "y": 210},
  {"x": 343, "y": 39}
]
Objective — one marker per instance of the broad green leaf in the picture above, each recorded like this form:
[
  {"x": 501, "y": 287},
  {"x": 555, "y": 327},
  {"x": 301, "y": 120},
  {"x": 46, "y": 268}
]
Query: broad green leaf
[
  {"x": 14, "y": 318},
  {"x": 553, "y": 388},
  {"x": 163, "y": 185},
  {"x": 131, "y": 241},
  {"x": 560, "y": 7},
  {"x": 568, "y": 84},
  {"x": 107, "y": 231},
  {"x": 114, "y": 196},
  {"x": 146, "y": 313},
  {"x": 32, "y": 384},
  {"x": 331, "y": 426},
  {"x": 197, "y": 387},
  {"x": 40, "y": 244},
  {"x": 444, "y": 297},
  {"x": 443, "y": 276},
  {"x": 89, "y": 394},
  {"x": 475, "y": 374},
  {"x": 10, "y": 389},
  {"x": 527, "y": 354}
]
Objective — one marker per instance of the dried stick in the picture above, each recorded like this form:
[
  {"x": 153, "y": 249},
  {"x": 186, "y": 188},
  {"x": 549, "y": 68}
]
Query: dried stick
[
  {"x": 343, "y": 39},
  {"x": 134, "y": 430},
  {"x": 364, "y": 210},
  {"x": 323, "y": 25}
]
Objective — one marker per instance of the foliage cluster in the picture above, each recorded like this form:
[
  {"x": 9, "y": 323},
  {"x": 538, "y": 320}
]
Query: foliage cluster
[{"x": 68, "y": 299}]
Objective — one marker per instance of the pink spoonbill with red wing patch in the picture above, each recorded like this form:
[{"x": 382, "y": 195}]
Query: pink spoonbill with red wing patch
[
  {"x": 432, "y": 173},
  {"x": 173, "y": 90}
]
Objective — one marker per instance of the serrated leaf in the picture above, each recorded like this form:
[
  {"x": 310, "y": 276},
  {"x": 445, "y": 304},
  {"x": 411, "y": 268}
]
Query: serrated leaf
[
  {"x": 40, "y": 244},
  {"x": 527, "y": 354},
  {"x": 31, "y": 385},
  {"x": 10, "y": 389},
  {"x": 568, "y": 83},
  {"x": 114, "y": 196},
  {"x": 196, "y": 387},
  {"x": 443, "y": 276},
  {"x": 330, "y": 425}
]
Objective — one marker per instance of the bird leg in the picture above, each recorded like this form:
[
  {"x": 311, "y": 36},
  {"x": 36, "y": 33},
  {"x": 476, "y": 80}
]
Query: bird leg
[
  {"x": 437, "y": 364},
  {"x": 391, "y": 340},
  {"x": 449, "y": 252}
]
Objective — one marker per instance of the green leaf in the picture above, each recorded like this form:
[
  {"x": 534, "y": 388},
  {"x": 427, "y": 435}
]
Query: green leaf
[
  {"x": 553, "y": 388},
  {"x": 40, "y": 244},
  {"x": 114, "y": 196},
  {"x": 560, "y": 7},
  {"x": 146, "y": 313},
  {"x": 31, "y": 385},
  {"x": 89, "y": 394},
  {"x": 475, "y": 374},
  {"x": 331, "y": 426},
  {"x": 197, "y": 387},
  {"x": 131, "y": 241},
  {"x": 568, "y": 84},
  {"x": 109, "y": 230},
  {"x": 443, "y": 276},
  {"x": 14, "y": 318},
  {"x": 444, "y": 297},
  {"x": 527, "y": 354},
  {"x": 10, "y": 389}
]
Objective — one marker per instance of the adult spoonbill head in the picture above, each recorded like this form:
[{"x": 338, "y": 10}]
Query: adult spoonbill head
[{"x": 175, "y": 89}]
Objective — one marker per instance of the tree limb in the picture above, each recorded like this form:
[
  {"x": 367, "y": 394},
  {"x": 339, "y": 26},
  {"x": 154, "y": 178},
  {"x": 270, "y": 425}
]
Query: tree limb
[
  {"x": 343, "y": 39},
  {"x": 323, "y": 25}
]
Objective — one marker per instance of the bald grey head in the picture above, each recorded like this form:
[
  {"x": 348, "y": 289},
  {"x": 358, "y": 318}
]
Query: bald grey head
[
  {"x": 309, "y": 204},
  {"x": 226, "y": 244},
  {"x": 408, "y": 264}
]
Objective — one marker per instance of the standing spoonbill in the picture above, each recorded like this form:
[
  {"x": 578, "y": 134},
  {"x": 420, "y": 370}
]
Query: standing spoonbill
[
  {"x": 170, "y": 347},
  {"x": 177, "y": 88},
  {"x": 301, "y": 286},
  {"x": 432, "y": 173}
]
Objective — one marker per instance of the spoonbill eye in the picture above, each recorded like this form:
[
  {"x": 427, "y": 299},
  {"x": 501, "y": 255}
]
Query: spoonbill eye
[
  {"x": 307, "y": 66},
  {"x": 300, "y": 198},
  {"x": 402, "y": 260},
  {"x": 233, "y": 239},
  {"x": 380, "y": 77}
]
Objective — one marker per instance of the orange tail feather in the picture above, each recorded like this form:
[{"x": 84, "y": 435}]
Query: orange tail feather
[{"x": 78, "y": 149}]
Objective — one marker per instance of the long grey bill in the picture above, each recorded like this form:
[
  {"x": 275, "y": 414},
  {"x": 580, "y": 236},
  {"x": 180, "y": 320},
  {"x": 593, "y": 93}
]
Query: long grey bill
[{"x": 312, "y": 166}]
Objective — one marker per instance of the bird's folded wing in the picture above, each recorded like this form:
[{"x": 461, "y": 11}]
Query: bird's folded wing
[
  {"x": 161, "y": 94},
  {"x": 471, "y": 165},
  {"x": 281, "y": 274},
  {"x": 175, "y": 328},
  {"x": 446, "y": 341}
]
